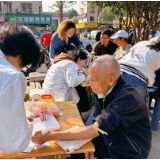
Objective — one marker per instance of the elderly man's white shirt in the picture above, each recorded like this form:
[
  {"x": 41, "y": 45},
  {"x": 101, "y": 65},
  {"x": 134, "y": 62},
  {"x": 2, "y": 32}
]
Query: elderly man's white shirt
[
  {"x": 14, "y": 134},
  {"x": 62, "y": 77}
]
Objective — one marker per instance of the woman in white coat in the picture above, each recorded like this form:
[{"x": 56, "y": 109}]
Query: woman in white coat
[
  {"x": 63, "y": 76},
  {"x": 18, "y": 48}
]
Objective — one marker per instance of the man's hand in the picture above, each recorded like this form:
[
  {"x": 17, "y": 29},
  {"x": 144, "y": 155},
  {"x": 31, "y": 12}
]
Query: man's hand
[
  {"x": 40, "y": 137},
  {"x": 89, "y": 155}
]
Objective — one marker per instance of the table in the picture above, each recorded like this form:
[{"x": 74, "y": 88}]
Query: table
[
  {"x": 70, "y": 118},
  {"x": 36, "y": 76}
]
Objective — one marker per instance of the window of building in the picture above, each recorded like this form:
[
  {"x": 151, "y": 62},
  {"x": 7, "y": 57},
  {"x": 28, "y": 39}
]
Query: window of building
[
  {"x": 91, "y": 18},
  {"x": 26, "y": 8},
  {"x": 0, "y": 6},
  {"x": 40, "y": 9},
  {"x": 92, "y": 9},
  {"x": 82, "y": 10},
  {"x": 9, "y": 8}
]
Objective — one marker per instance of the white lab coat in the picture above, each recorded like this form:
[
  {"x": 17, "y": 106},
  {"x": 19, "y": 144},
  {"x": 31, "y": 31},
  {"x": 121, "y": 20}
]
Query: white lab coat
[
  {"x": 144, "y": 59},
  {"x": 14, "y": 132},
  {"x": 62, "y": 77}
]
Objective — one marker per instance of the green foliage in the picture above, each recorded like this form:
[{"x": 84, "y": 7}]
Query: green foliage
[
  {"x": 75, "y": 20},
  {"x": 72, "y": 13},
  {"x": 64, "y": 4},
  {"x": 53, "y": 26},
  {"x": 106, "y": 15}
]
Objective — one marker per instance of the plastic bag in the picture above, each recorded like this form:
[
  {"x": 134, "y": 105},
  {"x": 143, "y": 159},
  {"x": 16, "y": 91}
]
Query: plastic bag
[{"x": 34, "y": 107}]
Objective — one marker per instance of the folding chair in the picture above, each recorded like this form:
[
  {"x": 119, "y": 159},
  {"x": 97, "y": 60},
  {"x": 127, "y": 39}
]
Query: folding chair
[{"x": 154, "y": 93}]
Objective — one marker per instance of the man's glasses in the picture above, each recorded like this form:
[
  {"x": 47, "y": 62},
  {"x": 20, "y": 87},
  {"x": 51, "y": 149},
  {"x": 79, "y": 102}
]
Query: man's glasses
[{"x": 104, "y": 38}]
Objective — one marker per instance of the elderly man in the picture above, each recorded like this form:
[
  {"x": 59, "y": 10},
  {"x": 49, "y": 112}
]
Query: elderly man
[
  {"x": 122, "y": 113},
  {"x": 98, "y": 35}
]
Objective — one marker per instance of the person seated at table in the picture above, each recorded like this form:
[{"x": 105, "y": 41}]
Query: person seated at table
[
  {"x": 65, "y": 35},
  {"x": 139, "y": 65},
  {"x": 18, "y": 48},
  {"x": 120, "y": 111},
  {"x": 111, "y": 29},
  {"x": 105, "y": 46},
  {"x": 63, "y": 77},
  {"x": 123, "y": 41}
]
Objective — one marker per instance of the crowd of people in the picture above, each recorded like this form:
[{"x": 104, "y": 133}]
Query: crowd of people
[{"x": 119, "y": 78}]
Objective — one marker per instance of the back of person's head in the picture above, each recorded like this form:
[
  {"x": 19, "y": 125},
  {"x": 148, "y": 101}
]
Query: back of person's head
[
  {"x": 77, "y": 54},
  {"x": 107, "y": 32},
  {"x": 155, "y": 46},
  {"x": 68, "y": 48},
  {"x": 18, "y": 40},
  {"x": 64, "y": 27},
  {"x": 111, "y": 28}
]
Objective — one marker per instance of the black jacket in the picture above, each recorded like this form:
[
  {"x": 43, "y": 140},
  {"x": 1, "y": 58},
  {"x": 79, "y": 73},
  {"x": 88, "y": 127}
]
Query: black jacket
[
  {"x": 100, "y": 49},
  {"x": 125, "y": 116}
]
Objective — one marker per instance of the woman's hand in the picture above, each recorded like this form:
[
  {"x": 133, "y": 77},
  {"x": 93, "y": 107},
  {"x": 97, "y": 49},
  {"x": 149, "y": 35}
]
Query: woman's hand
[
  {"x": 30, "y": 118},
  {"x": 40, "y": 137}
]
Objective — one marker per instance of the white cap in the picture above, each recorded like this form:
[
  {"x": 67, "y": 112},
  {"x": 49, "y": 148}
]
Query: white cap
[
  {"x": 155, "y": 39},
  {"x": 120, "y": 33}
]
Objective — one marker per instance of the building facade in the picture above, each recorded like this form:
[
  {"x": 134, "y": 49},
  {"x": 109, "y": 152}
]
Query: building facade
[
  {"x": 88, "y": 17},
  {"x": 55, "y": 16},
  {"x": 25, "y": 12}
]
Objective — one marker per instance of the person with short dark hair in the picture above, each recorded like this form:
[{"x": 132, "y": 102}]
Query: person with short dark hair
[
  {"x": 111, "y": 29},
  {"x": 63, "y": 75},
  {"x": 105, "y": 46},
  {"x": 18, "y": 48}
]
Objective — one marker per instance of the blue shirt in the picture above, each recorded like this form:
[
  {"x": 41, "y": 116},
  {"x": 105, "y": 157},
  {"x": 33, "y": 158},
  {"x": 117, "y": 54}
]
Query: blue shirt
[{"x": 57, "y": 43}]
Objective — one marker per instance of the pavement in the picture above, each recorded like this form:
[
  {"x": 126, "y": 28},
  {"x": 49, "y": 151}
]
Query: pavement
[
  {"x": 86, "y": 40},
  {"x": 155, "y": 150}
]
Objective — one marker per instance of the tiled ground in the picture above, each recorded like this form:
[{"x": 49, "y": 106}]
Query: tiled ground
[{"x": 155, "y": 150}]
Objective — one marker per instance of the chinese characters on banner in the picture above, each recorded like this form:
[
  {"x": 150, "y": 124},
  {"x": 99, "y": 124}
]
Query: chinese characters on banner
[{"x": 34, "y": 19}]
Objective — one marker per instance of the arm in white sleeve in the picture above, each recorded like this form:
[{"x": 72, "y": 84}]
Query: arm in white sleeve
[
  {"x": 14, "y": 134},
  {"x": 72, "y": 77}
]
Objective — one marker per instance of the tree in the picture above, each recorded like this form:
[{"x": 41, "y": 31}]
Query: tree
[
  {"x": 61, "y": 5},
  {"x": 72, "y": 13},
  {"x": 142, "y": 16},
  {"x": 53, "y": 26},
  {"x": 75, "y": 20},
  {"x": 106, "y": 15}
]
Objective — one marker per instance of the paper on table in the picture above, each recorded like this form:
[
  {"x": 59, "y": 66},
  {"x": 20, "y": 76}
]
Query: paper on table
[
  {"x": 71, "y": 145},
  {"x": 50, "y": 123},
  {"x": 32, "y": 146}
]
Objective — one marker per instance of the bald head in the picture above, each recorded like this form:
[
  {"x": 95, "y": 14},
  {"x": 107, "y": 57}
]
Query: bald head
[{"x": 106, "y": 65}]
